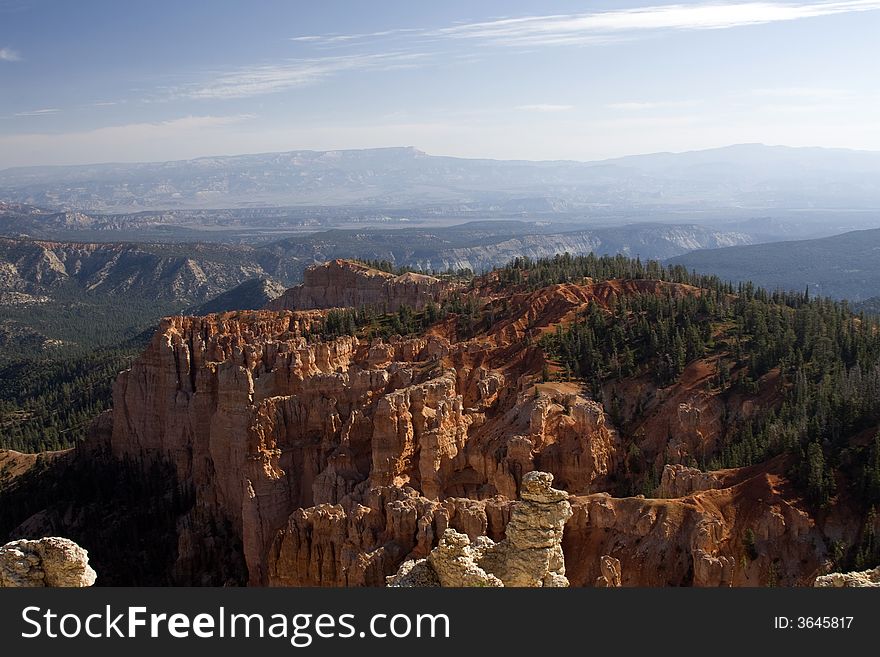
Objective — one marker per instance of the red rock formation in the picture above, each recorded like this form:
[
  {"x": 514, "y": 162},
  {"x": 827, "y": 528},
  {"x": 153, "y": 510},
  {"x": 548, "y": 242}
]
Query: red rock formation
[
  {"x": 678, "y": 481},
  {"x": 333, "y": 462},
  {"x": 344, "y": 283},
  {"x": 278, "y": 435},
  {"x": 698, "y": 540}
]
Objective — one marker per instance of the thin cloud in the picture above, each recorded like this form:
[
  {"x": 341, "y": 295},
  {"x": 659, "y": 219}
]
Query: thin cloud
[
  {"x": 407, "y": 47},
  {"x": 9, "y": 55},
  {"x": 609, "y": 26},
  {"x": 343, "y": 38},
  {"x": 572, "y": 29},
  {"x": 39, "y": 112},
  {"x": 272, "y": 78},
  {"x": 545, "y": 107}
]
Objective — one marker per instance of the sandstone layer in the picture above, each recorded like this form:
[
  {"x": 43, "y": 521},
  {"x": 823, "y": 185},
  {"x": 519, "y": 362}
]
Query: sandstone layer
[{"x": 344, "y": 283}]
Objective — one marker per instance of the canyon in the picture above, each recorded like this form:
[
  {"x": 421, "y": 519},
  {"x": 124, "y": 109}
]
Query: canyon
[{"x": 332, "y": 462}]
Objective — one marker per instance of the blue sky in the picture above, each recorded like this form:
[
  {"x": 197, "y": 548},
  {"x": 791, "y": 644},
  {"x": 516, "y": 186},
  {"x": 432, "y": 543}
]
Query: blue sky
[{"x": 96, "y": 81}]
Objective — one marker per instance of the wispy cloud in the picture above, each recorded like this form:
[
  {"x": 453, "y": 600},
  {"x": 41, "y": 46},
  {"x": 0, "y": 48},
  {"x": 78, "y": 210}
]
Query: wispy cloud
[
  {"x": 343, "y": 38},
  {"x": 545, "y": 107},
  {"x": 9, "y": 55},
  {"x": 271, "y": 78},
  {"x": 587, "y": 27},
  {"x": 407, "y": 47},
  {"x": 609, "y": 26},
  {"x": 39, "y": 112}
]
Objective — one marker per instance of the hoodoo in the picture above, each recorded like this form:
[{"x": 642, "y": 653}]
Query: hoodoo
[{"x": 311, "y": 452}]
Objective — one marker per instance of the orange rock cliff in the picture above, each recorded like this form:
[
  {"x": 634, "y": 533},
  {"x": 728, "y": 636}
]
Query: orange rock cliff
[
  {"x": 344, "y": 283},
  {"x": 335, "y": 462}
]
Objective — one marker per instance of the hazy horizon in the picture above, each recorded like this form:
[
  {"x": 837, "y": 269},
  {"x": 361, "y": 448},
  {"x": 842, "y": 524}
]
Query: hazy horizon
[
  {"x": 105, "y": 82},
  {"x": 422, "y": 151}
]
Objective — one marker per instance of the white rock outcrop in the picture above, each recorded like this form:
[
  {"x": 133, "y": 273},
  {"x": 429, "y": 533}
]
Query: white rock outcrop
[
  {"x": 50, "y": 561},
  {"x": 859, "y": 579},
  {"x": 529, "y": 556}
]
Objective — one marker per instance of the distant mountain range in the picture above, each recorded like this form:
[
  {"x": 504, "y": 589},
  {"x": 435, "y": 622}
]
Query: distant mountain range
[
  {"x": 844, "y": 266},
  {"x": 747, "y": 175}
]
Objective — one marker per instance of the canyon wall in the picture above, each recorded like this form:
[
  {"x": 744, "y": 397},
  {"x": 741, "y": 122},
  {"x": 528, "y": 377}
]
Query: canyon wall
[
  {"x": 331, "y": 463},
  {"x": 334, "y": 461},
  {"x": 344, "y": 283}
]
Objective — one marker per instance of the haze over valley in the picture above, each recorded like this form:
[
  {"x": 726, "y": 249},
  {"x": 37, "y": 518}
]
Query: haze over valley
[{"x": 750, "y": 176}]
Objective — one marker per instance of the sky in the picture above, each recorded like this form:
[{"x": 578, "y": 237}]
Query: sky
[{"x": 108, "y": 81}]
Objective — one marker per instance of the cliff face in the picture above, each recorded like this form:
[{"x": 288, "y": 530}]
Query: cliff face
[
  {"x": 700, "y": 539},
  {"x": 343, "y": 283},
  {"x": 332, "y": 463}
]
